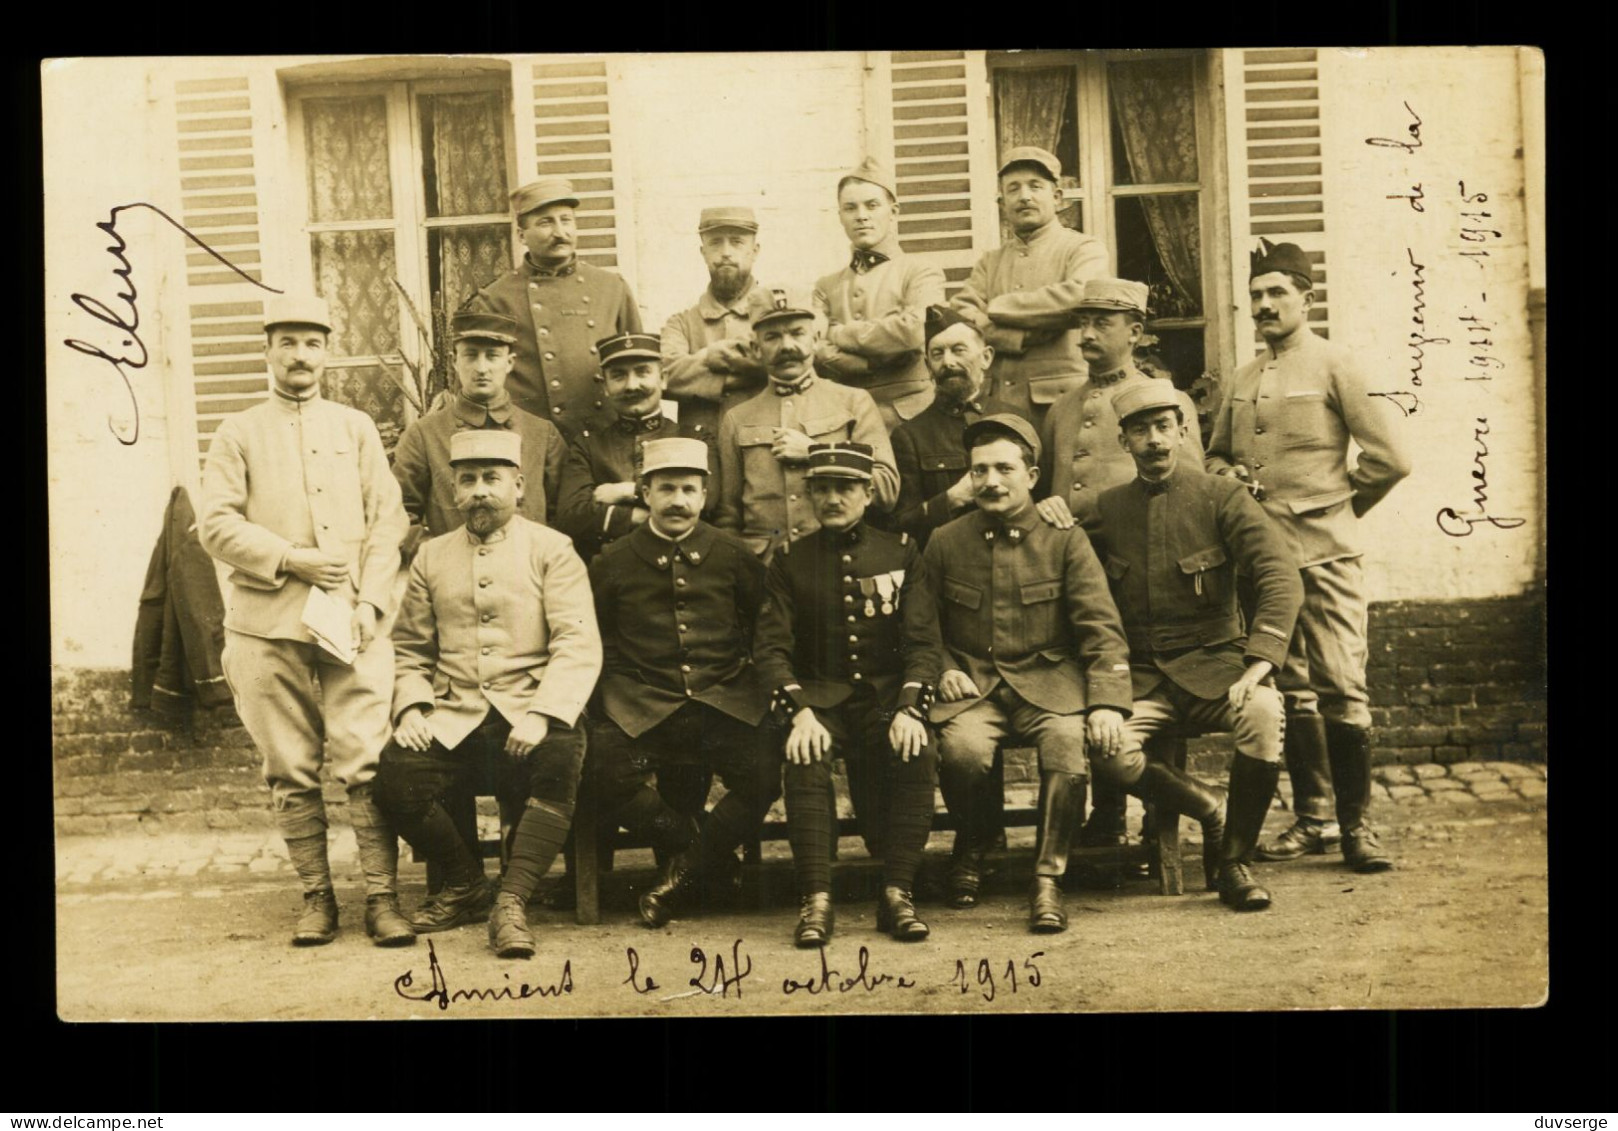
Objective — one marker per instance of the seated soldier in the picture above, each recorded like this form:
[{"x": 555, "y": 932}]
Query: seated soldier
[
  {"x": 830, "y": 641},
  {"x": 1173, "y": 541},
  {"x": 677, "y": 600},
  {"x": 1018, "y": 620},
  {"x": 496, "y": 652}
]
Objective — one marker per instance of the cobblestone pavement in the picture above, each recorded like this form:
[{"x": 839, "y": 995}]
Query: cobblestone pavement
[{"x": 1422, "y": 790}]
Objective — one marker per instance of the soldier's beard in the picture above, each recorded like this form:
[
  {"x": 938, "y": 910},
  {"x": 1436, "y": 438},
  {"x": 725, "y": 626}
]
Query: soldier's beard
[
  {"x": 727, "y": 282},
  {"x": 954, "y": 385},
  {"x": 483, "y": 520}
]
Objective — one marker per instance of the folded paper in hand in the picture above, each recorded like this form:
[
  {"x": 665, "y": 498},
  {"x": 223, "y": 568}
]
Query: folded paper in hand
[{"x": 330, "y": 620}]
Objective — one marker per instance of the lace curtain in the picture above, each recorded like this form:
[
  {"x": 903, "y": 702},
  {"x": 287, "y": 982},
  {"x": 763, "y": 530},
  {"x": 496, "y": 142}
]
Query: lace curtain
[{"x": 1154, "y": 107}]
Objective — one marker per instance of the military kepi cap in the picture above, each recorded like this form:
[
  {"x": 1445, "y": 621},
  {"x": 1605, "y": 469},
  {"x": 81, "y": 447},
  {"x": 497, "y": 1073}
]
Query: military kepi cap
[
  {"x": 1032, "y": 155},
  {"x": 537, "y": 194},
  {"x": 489, "y": 445},
  {"x": 1004, "y": 423},
  {"x": 1114, "y": 294},
  {"x": 737, "y": 216},
  {"x": 483, "y": 325},
  {"x": 1287, "y": 257},
  {"x": 1144, "y": 394},
  {"x": 939, "y": 319},
  {"x": 297, "y": 310},
  {"x": 622, "y": 346},
  {"x": 677, "y": 454},
  {"x": 848, "y": 460},
  {"x": 874, "y": 172},
  {"x": 765, "y": 304}
]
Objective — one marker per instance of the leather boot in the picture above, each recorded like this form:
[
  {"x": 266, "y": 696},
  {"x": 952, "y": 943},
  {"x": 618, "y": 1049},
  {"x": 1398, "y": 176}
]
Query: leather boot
[
  {"x": 1252, "y": 785},
  {"x": 896, "y": 915},
  {"x": 816, "y": 918},
  {"x": 1350, "y": 750},
  {"x": 970, "y": 800},
  {"x": 1175, "y": 791},
  {"x": 318, "y": 923},
  {"x": 1109, "y": 807},
  {"x": 509, "y": 936},
  {"x": 658, "y": 903},
  {"x": 452, "y": 905},
  {"x": 1313, "y": 833},
  {"x": 1061, "y": 813},
  {"x": 384, "y": 923}
]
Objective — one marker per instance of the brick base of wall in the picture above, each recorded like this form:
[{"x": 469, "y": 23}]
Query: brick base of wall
[{"x": 1451, "y": 681}]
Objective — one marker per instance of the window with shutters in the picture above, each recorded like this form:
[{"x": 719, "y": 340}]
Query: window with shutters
[
  {"x": 406, "y": 188},
  {"x": 1134, "y": 134}
]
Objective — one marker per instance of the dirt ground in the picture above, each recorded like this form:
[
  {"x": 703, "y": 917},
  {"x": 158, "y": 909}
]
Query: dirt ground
[{"x": 1461, "y": 922}]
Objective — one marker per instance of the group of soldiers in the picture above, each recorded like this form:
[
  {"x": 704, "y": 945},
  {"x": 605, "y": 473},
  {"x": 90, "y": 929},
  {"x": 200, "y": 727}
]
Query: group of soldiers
[{"x": 859, "y": 523}]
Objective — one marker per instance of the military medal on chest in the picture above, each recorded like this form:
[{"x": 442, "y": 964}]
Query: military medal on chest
[
  {"x": 868, "y": 590},
  {"x": 887, "y": 590}
]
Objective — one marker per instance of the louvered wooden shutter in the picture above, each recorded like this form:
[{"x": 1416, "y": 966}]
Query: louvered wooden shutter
[
  {"x": 937, "y": 129},
  {"x": 573, "y": 139},
  {"x": 219, "y": 200},
  {"x": 1281, "y": 102}
]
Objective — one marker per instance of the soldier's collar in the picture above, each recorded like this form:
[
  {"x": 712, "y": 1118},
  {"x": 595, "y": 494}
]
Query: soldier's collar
[
  {"x": 661, "y": 553},
  {"x": 1039, "y": 233},
  {"x": 849, "y": 537},
  {"x": 802, "y": 384},
  {"x": 638, "y": 424},
  {"x": 1014, "y": 530},
  {"x": 539, "y": 272},
  {"x": 478, "y": 415},
  {"x": 1157, "y": 486},
  {"x": 492, "y": 537},
  {"x": 712, "y": 309},
  {"x": 296, "y": 400},
  {"x": 975, "y": 406},
  {"x": 1122, "y": 373}
]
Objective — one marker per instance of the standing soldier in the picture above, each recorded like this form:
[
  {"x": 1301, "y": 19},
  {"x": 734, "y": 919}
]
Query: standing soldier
[
  {"x": 498, "y": 652},
  {"x": 708, "y": 351},
  {"x": 677, "y": 601},
  {"x": 764, "y": 442},
  {"x": 561, "y": 307},
  {"x": 484, "y": 354},
  {"x": 1173, "y": 541},
  {"x": 297, "y": 495},
  {"x": 875, "y": 306},
  {"x": 830, "y": 642},
  {"x": 1283, "y": 429},
  {"x": 1022, "y": 294}
]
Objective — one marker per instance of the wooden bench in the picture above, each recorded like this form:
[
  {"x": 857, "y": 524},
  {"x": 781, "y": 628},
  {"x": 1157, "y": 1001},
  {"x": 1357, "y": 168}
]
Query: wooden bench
[{"x": 591, "y": 843}]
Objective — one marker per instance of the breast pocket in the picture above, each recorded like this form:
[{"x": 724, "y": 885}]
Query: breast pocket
[
  {"x": 831, "y": 426},
  {"x": 949, "y": 464},
  {"x": 1208, "y": 574},
  {"x": 962, "y": 594},
  {"x": 1041, "y": 605},
  {"x": 1304, "y": 419},
  {"x": 755, "y": 435}
]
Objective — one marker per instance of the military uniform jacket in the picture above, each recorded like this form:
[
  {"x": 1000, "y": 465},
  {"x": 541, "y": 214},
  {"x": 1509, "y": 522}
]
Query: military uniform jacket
[
  {"x": 560, "y": 318},
  {"x": 290, "y": 473},
  {"x": 677, "y": 624},
  {"x": 1082, "y": 453},
  {"x": 1024, "y": 603},
  {"x": 421, "y": 462},
  {"x": 1288, "y": 417},
  {"x": 1172, "y": 553},
  {"x": 874, "y": 337},
  {"x": 833, "y": 617},
  {"x": 931, "y": 456},
  {"x": 608, "y": 454},
  {"x": 765, "y": 501},
  {"x": 699, "y": 391},
  {"x": 1022, "y": 296}
]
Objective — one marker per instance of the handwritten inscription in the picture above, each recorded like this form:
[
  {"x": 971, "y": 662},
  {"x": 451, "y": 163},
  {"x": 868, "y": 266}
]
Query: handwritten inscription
[
  {"x": 1410, "y": 143},
  {"x": 988, "y": 979},
  {"x": 832, "y": 981},
  {"x": 129, "y": 351},
  {"x": 1461, "y": 523},
  {"x": 438, "y": 988}
]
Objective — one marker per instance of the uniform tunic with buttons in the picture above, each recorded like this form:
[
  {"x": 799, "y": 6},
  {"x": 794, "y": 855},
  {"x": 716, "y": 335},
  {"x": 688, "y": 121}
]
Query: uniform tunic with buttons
[
  {"x": 1022, "y": 296},
  {"x": 1288, "y": 417},
  {"x": 833, "y": 619},
  {"x": 505, "y": 621},
  {"x": 875, "y": 329},
  {"x": 699, "y": 391},
  {"x": 1082, "y": 453},
  {"x": 931, "y": 455},
  {"x": 600, "y": 455},
  {"x": 1025, "y": 604},
  {"x": 765, "y": 501},
  {"x": 677, "y": 625},
  {"x": 421, "y": 462},
  {"x": 561, "y": 316}
]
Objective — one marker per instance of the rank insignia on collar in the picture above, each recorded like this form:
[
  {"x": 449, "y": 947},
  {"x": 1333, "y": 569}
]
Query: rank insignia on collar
[
  {"x": 695, "y": 556},
  {"x": 662, "y": 561}
]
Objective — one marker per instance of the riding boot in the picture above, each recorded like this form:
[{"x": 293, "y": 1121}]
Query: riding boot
[
  {"x": 1061, "y": 813},
  {"x": 1313, "y": 832},
  {"x": 1252, "y": 785},
  {"x": 1349, "y": 747},
  {"x": 967, "y": 795},
  {"x": 1175, "y": 791},
  {"x": 1109, "y": 807}
]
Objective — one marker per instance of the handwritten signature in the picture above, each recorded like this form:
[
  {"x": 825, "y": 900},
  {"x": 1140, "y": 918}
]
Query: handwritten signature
[
  {"x": 130, "y": 351},
  {"x": 1413, "y": 130},
  {"x": 440, "y": 992},
  {"x": 1459, "y": 524}
]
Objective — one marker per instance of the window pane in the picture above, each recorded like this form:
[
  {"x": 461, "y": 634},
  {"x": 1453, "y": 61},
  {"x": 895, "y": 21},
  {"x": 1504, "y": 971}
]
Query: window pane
[
  {"x": 346, "y": 140},
  {"x": 372, "y": 390},
  {"x": 1035, "y": 106},
  {"x": 463, "y": 143},
  {"x": 461, "y": 259},
  {"x": 1160, "y": 244},
  {"x": 354, "y": 272},
  {"x": 1154, "y": 121}
]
